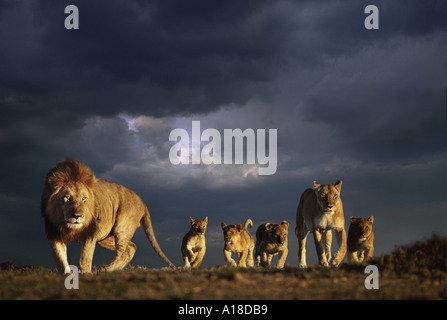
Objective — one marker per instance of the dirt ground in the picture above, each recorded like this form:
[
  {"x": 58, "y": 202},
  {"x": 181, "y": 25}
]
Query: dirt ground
[
  {"x": 222, "y": 283},
  {"x": 417, "y": 272}
]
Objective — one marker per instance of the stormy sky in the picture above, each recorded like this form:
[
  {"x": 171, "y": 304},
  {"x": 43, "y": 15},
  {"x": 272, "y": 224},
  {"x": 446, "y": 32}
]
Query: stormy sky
[{"x": 364, "y": 106}]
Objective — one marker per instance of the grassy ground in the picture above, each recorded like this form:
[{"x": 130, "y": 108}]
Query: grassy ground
[{"x": 415, "y": 272}]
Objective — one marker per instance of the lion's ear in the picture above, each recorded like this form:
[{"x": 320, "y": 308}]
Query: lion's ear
[
  {"x": 238, "y": 226},
  {"x": 371, "y": 219},
  {"x": 316, "y": 185},
  {"x": 223, "y": 225},
  {"x": 352, "y": 219},
  {"x": 338, "y": 184},
  {"x": 206, "y": 219},
  {"x": 285, "y": 223}
]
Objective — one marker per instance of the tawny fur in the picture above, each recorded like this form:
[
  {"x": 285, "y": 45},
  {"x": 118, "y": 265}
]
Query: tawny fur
[
  {"x": 320, "y": 211},
  {"x": 238, "y": 240},
  {"x": 193, "y": 244},
  {"x": 271, "y": 239},
  {"x": 360, "y": 240},
  {"x": 76, "y": 206}
]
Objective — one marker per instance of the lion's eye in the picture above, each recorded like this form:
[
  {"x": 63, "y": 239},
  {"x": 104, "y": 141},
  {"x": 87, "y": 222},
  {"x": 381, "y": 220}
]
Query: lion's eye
[
  {"x": 67, "y": 198},
  {"x": 84, "y": 199}
]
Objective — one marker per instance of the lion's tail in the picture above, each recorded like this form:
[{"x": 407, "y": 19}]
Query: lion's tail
[
  {"x": 248, "y": 223},
  {"x": 147, "y": 225}
]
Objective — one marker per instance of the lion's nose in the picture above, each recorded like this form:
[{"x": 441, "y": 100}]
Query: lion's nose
[
  {"x": 330, "y": 206},
  {"x": 76, "y": 214}
]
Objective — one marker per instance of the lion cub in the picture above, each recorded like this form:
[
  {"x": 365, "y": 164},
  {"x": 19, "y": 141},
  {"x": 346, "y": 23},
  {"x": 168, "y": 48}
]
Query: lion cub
[
  {"x": 238, "y": 239},
  {"x": 193, "y": 244},
  {"x": 271, "y": 239},
  {"x": 360, "y": 239}
]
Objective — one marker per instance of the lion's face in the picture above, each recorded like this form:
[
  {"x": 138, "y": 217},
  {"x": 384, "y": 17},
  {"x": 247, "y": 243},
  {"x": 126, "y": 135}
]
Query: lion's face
[
  {"x": 67, "y": 196},
  {"x": 231, "y": 233},
  {"x": 75, "y": 201},
  {"x": 278, "y": 232},
  {"x": 362, "y": 227},
  {"x": 328, "y": 196},
  {"x": 198, "y": 226}
]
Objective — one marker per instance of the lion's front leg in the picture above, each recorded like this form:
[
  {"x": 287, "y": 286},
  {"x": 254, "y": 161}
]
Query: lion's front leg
[
  {"x": 264, "y": 259},
  {"x": 243, "y": 259},
  {"x": 269, "y": 260},
  {"x": 228, "y": 259},
  {"x": 369, "y": 253},
  {"x": 188, "y": 257},
  {"x": 250, "y": 261},
  {"x": 186, "y": 262},
  {"x": 302, "y": 237},
  {"x": 328, "y": 244},
  {"x": 198, "y": 258},
  {"x": 282, "y": 258},
  {"x": 59, "y": 251},
  {"x": 352, "y": 257},
  {"x": 361, "y": 255},
  {"x": 258, "y": 257},
  {"x": 85, "y": 261},
  {"x": 341, "y": 240},
  {"x": 319, "y": 244}
]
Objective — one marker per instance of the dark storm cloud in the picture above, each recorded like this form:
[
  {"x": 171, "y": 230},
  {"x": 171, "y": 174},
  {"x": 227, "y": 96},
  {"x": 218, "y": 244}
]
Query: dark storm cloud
[
  {"x": 157, "y": 58},
  {"x": 169, "y": 57},
  {"x": 153, "y": 58},
  {"x": 392, "y": 100}
]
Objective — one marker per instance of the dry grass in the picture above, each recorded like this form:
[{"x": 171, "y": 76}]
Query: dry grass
[
  {"x": 422, "y": 258},
  {"x": 415, "y": 272}
]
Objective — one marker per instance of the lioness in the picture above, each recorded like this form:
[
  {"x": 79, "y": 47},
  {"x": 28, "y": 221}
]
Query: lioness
[
  {"x": 360, "y": 239},
  {"x": 271, "y": 239},
  {"x": 238, "y": 239},
  {"x": 193, "y": 244},
  {"x": 320, "y": 210},
  {"x": 76, "y": 206}
]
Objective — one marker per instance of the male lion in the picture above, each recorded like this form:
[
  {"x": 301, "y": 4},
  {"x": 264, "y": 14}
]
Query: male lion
[
  {"x": 360, "y": 239},
  {"x": 238, "y": 239},
  {"x": 76, "y": 206},
  {"x": 271, "y": 239},
  {"x": 320, "y": 210},
  {"x": 193, "y": 243}
]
